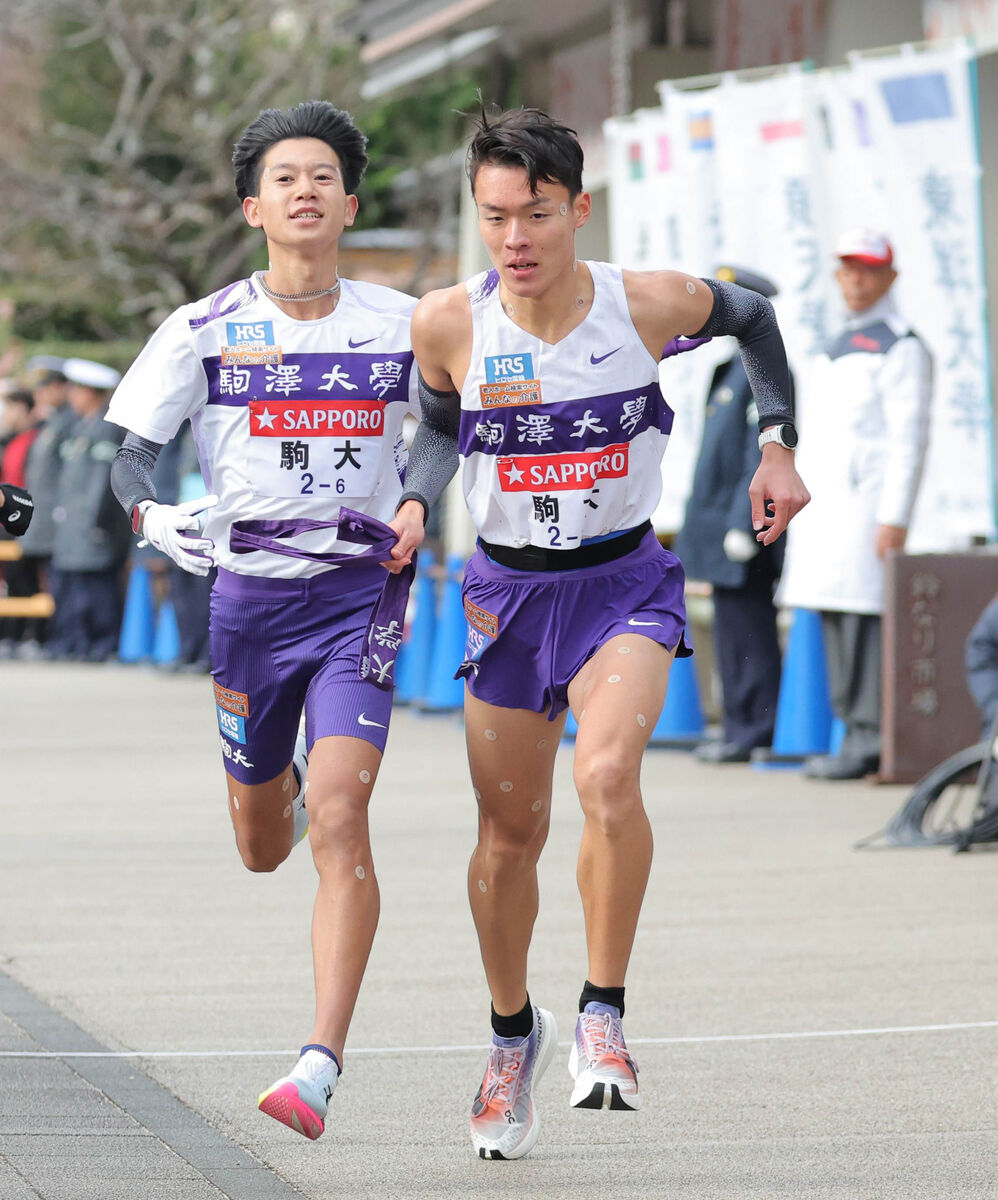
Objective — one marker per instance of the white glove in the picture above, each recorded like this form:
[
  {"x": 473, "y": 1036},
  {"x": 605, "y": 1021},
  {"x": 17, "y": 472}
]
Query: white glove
[
  {"x": 164, "y": 526},
  {"x": 739, "y": 546}
]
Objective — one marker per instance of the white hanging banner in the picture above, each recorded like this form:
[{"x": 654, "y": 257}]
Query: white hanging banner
[
  {"x": 849, "y": 171},
  {"x": 629, "y": 207},
  {"x": 767, "y": 175},
  {"x": 770, "y": 205},
  {"x": 923, "y": 125},
  {"x": 687, "y": 234}
]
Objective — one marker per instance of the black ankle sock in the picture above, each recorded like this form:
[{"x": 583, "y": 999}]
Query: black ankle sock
[
  {"x": 518, "y": 1025},
  {"x": 591, "y": 993}
]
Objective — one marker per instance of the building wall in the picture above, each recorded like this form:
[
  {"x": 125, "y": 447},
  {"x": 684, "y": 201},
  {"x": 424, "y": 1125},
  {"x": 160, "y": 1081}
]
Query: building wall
[{"x": 867, "y": 24}]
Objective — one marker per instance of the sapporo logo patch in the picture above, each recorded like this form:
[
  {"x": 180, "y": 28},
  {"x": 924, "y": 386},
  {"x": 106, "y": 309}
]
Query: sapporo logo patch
[
  {"x": 483, "y": 621},
  {"x": 233, "y": 702},
  {"x": 562, "y": 472}
]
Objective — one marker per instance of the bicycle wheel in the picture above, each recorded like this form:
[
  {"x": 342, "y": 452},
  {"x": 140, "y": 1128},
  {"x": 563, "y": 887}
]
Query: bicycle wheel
[{"x": 947, "y": 805}]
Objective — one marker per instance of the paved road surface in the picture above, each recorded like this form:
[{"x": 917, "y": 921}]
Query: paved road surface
[{"x": 810, "y": 1021}]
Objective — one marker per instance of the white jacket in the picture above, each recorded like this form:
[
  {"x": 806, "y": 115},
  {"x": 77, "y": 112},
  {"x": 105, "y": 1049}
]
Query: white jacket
[{"x": 863, "y": 419}]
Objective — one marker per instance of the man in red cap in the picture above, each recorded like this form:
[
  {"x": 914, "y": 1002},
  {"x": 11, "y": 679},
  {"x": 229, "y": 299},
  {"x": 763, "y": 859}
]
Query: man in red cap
[{"x": 864, "y": 418}]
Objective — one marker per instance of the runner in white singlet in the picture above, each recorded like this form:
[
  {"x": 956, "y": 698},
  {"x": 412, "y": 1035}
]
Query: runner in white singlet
[
  {"x": 296, "y": 384},
  {"x": 542, "y": 373}
]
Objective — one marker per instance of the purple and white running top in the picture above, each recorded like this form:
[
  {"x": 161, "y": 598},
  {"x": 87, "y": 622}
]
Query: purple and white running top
[
  {"x": 560, "y": 443},
  {"x": 291, "y": 418}
]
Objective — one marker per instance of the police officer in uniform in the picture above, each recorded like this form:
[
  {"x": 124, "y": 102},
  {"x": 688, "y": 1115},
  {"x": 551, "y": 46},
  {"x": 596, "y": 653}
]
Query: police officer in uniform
[
  {"x": 41, "y": 477},
  {"x": 92, "y": 534},
  {"x": 864, "y": 416},
  {"x": 717, "y": 545}
]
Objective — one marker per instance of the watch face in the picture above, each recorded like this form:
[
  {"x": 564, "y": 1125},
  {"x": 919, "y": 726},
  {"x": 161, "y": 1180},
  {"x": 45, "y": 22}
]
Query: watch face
[{"x": 788, "y": 435}]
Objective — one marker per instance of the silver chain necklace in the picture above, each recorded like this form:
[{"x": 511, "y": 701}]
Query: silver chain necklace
[{"x": 300, "y": 297}]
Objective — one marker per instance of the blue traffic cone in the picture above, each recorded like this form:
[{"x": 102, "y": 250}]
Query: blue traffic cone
[
  {"x": 681, "y": 722},
  {"x": 443, "y": 692},
  {"x": 166, "y": 645},
  {"x": 417, "y": 652},
  {"x": 803, "y": 710},
  {"x": 135, "y": 642},
  {"x": 837, "y": 736}
]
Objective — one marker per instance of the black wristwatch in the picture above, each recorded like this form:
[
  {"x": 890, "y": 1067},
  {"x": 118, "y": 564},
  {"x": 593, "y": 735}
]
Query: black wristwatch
[{"x": 785, "y": 435}]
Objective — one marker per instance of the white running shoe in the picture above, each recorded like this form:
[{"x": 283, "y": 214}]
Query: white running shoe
[
  {"x": 504, "y": 1121},
  {"x": 299, "y": 766},
  {"x": 301, "y": 1100},
  {"x": 605, "y": 1074}
]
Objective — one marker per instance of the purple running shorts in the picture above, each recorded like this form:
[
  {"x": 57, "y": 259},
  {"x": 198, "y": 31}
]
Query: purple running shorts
[
  {"x": 280, "y": 645},
  {"x": 531, "y": 632}
]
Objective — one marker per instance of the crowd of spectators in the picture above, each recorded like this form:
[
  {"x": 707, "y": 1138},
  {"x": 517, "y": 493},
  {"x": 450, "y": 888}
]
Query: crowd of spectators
[{"x": 79, "y": 548}]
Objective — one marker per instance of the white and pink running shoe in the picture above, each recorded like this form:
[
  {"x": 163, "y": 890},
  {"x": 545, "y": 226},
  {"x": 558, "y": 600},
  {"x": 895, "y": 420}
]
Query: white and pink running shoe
[
  {"x": 605, "y": 1074},
  {"x": 504, "y": 1121},
  {"x": 300, "y": 1100}
]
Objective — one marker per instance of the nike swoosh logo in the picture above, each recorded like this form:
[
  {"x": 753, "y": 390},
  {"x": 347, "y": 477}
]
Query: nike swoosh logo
[
  {"x": 631, "y": 621},
  {"x": 596, "y": 359},
  {"x": 357, "y": 345},
  {"x": 362, "y": 720}
]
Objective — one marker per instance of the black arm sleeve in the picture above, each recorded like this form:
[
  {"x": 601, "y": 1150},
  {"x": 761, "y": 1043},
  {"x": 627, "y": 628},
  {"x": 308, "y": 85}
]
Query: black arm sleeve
[
  {"x": 131, "y": 471},
  {"x": 433, "y": 457},
  {"x": 750, "y": 318}
]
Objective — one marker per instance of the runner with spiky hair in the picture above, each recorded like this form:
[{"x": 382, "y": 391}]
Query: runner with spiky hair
[
  {"x": 541, "y": 377},
  {"x": 296, "y": 383}
]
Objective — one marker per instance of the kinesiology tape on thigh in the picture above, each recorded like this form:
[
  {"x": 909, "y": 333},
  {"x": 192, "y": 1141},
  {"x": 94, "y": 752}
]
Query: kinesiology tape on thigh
[
  {"x": 750, "y": 318},
  {"x": 433, "y": 457}
]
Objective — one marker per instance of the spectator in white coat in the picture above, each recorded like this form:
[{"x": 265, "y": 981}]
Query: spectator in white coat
[{"x": 864, "y": 420}]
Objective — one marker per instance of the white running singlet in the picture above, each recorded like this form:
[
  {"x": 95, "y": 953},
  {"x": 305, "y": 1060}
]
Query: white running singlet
[
  {"x": 560, "y": 443},
  {"x": 291, "y": 418}
]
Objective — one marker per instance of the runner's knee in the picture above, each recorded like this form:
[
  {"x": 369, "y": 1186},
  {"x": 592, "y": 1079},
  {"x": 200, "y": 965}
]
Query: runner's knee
[
  {"x": 608, "y": 789},
  {"x": 509, "y": 846},
  {"x": 261, "y": 852},
  {"x": 338, "y": 826}
]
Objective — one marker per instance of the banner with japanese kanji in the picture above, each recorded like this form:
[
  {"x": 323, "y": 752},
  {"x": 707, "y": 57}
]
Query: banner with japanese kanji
[
  {"x": 766, "y": 175},
  {"x": 922, "y": 119}
]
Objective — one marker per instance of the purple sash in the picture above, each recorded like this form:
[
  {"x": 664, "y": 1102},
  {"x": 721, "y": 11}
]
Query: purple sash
[{"x": 384, "y": 630}]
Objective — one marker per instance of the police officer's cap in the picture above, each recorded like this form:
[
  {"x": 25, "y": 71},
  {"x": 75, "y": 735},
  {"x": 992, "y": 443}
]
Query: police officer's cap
[
  {"x": 747, "y": 279},
  {"x": 91, "y": 374}
]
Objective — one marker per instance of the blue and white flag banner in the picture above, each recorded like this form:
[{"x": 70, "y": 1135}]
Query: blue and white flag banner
[
  {"x": 774, "y": 226},
  {"x": 922, "y": 121},
  {"x": 766, "y": 175}
]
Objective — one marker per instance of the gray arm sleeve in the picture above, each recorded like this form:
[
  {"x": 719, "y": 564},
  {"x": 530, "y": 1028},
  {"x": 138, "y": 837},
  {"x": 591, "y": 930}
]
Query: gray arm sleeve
[
  {"x": 750, "y": 318},
  {"x": 131, "y": 471},
  {"x": 433, "y": 457}
]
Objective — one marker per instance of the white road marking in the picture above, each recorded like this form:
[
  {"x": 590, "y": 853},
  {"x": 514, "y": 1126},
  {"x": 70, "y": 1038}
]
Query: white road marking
[{"x": 877, "y": 1031}]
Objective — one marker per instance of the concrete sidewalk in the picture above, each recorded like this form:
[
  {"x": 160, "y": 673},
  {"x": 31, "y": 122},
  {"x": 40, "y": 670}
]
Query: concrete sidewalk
[{"x": 810, "y": 1021}]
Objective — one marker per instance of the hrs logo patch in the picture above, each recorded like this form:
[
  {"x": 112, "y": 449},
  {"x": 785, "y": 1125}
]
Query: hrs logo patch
[
  {"x": 502, "y": 368},
  {"x": 250, "y": 344},
  {"x": 249, "y": 333}
]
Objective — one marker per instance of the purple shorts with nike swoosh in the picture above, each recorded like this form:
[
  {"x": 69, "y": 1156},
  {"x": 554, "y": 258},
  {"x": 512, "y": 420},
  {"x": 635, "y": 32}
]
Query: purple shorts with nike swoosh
[
  {"x": 531, "y": 632},
  {"x": 280, "y": 645}
]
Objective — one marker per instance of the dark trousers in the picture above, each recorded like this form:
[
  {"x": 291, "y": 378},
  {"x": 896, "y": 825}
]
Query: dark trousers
[
  {"x": 748, "y": 656},
  {"x": 89, "y": 610},
  {"x": 191, "y": 596},
  {"x": 853, "y": 654},
  {"x": 21, "y": 579}
]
